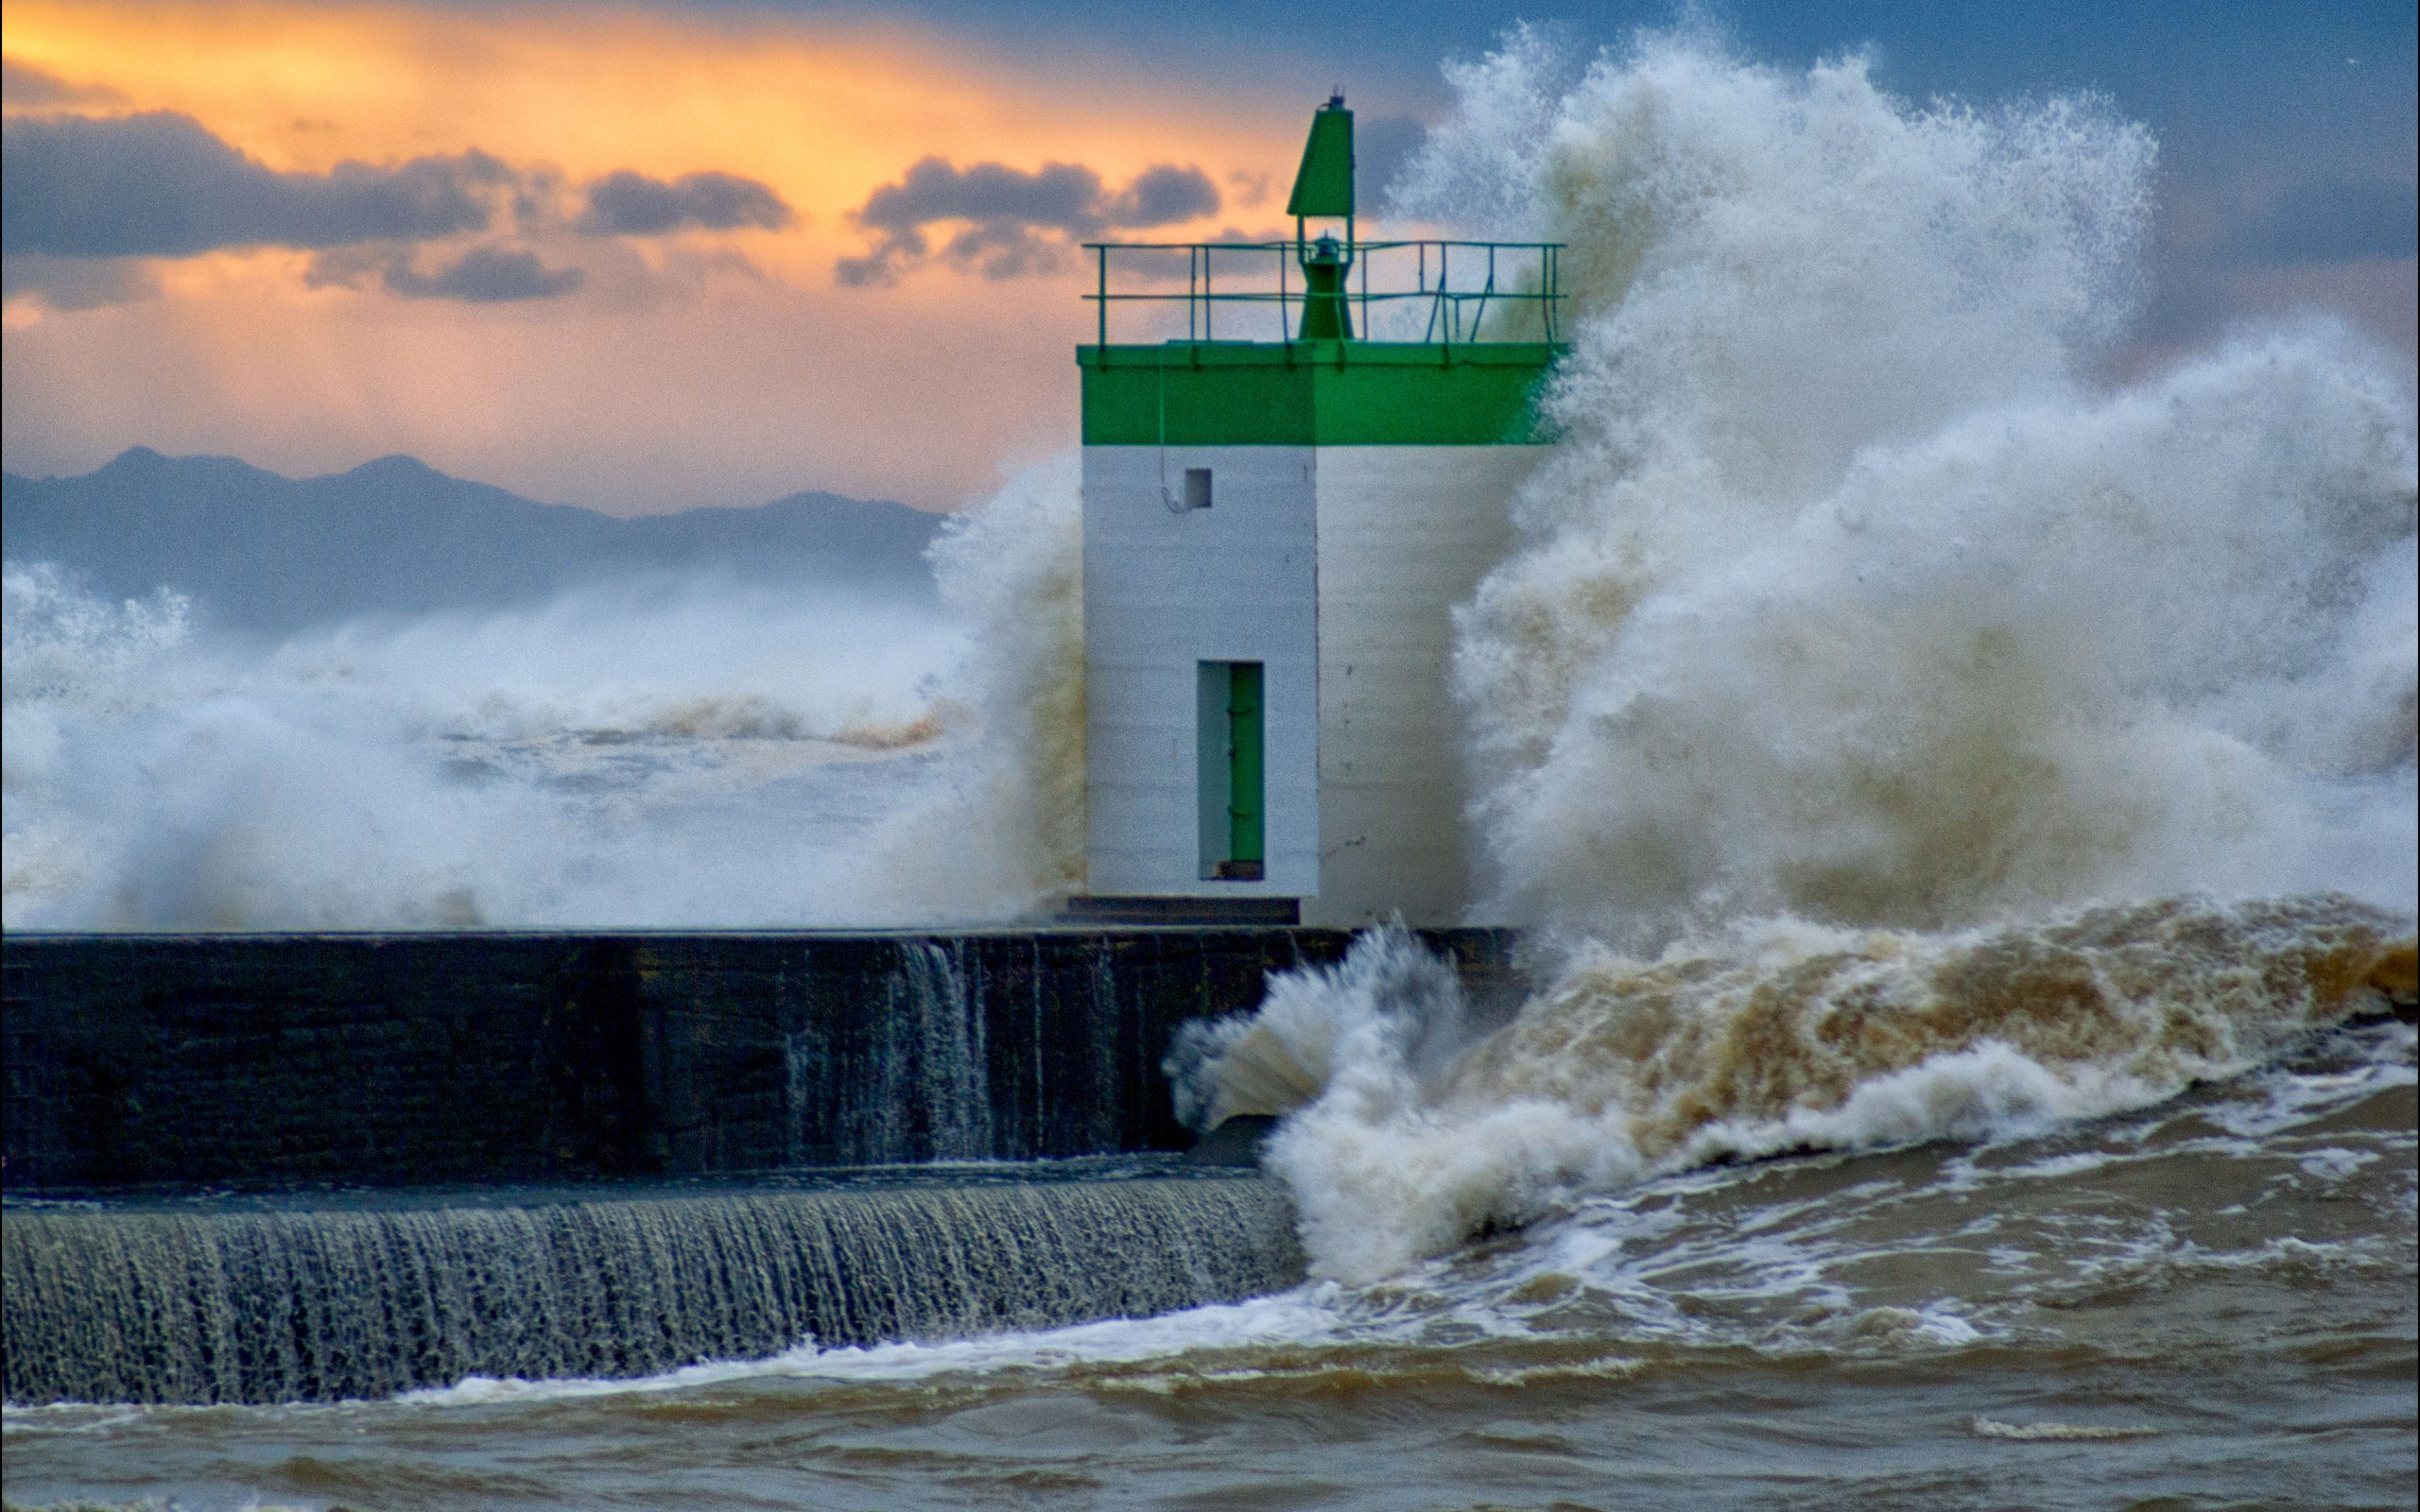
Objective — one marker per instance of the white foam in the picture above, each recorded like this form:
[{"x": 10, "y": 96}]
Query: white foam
[
  {"x": 2059, "y": 1432},
  {"x": 1305, "y": 1315},
  {"x": 1846, "y": 594},
  {"x": 2333, "y": 1165}
]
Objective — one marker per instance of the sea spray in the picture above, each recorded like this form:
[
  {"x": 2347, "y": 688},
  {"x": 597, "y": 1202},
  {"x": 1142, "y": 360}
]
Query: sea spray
[
  {"x": 1003, "y": 834},
  {"x": 657, "y": 752},
  {"x": 1390, "y": 1000},
  {"x": 1845, "y": 594},
  {"x": 2051, "y": 654},
  {"x": 650, "y": 752},
  {"x": 68, "y": 658},
  {"x": 1403, "y": 1137},
  {"x": 1887, "y": 736}
]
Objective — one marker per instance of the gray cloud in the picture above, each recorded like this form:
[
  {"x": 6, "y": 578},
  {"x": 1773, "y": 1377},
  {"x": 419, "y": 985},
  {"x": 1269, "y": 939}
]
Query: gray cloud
[
  {"x": 159, "y": 185},
  {"x": 483, "y": 275},
  {"x": 1165, "y": 196},
  {"x": 103, "y": 190},
  {"x": 631, "y": 204},
  {"x": 1014, "y": 222},
  {"x": 30, "y": 88},
  {"x": 486, "y": 275},
  {"x": 76, "y": 283}
]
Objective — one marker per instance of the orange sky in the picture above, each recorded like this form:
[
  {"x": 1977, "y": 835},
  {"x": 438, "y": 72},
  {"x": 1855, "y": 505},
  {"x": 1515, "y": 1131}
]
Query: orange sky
[
  {"x": 722, "y": 368},
  {"x": 731, "y": 367}
]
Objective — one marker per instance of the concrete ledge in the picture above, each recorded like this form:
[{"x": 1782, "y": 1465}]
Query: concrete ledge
[{"x": 1282, "y": 912}]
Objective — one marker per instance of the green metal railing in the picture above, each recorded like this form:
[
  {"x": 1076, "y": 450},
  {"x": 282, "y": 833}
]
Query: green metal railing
[{"x": 1506, "y": 276}]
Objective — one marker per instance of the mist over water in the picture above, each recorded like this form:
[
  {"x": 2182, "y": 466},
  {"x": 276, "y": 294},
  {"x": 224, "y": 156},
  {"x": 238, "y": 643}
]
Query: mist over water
[{"x": 653, "y": 753}]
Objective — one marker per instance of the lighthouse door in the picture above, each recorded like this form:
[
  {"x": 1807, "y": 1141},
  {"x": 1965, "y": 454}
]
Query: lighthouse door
[{"x": 1233, "y": 772}]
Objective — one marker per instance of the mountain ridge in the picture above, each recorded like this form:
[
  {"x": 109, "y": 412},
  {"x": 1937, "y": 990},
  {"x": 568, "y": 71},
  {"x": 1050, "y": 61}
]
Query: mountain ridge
[{"x": 264, "y": 552}]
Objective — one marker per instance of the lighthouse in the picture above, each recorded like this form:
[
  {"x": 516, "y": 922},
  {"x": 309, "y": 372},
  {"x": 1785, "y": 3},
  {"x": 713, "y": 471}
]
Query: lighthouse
[{"x": 1296, "y": 462}]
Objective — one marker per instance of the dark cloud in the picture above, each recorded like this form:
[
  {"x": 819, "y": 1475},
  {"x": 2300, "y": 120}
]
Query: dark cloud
[
  {"x": 1165, "y": 196},
  {"x": 30, "y": 88},
  {"x": 631, "y": 204},
  {"x": 1063, "y": 195},
  {"x": 483, "y": 275},
  {"x": 486, "y": 275},
  {"x": 159, "y": 185},
  {"x": 1010, "y": 221},
  {"x": 103, "y": 190}
]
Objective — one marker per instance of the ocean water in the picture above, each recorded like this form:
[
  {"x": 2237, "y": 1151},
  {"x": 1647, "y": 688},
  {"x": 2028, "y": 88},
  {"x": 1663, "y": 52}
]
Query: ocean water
[
  {"x": 1962, "y": 808},
  {"x": 2209, "y": 1303}
]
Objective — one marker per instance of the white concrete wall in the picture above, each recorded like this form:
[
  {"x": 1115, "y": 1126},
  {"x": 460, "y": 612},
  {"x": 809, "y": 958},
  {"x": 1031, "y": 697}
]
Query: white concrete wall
[
  {"x": 1163, "y": 592},
  {"x": 1404, "y": 533}
]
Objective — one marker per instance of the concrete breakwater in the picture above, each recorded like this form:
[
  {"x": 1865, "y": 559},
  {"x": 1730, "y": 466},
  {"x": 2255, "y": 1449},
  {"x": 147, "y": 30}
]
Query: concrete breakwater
[
  {"x": 411, "y": 1059},
  {"x": 276, "y": 1168}
]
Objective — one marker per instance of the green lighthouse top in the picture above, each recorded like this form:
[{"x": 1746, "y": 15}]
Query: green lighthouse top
[
  {"x": 1298, "y": 342},
  {"x": 1324, "y": 184}
]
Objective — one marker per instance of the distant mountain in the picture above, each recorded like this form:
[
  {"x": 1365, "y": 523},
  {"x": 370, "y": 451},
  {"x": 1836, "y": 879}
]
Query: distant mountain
[{"x": 264, "y": 552}]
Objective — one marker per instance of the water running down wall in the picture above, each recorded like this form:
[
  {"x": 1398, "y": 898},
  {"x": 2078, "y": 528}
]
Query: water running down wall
[{"x": 201, "y": 1306}]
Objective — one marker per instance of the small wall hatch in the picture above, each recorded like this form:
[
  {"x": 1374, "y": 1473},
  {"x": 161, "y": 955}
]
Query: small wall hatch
[{"x": 1197, "y": 488}]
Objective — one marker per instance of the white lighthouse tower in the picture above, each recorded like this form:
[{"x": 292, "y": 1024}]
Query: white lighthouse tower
[{"x": 1275, "y": 533}]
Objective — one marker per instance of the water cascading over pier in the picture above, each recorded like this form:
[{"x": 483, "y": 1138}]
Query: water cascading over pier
[{"x": 266, "y": 1306}]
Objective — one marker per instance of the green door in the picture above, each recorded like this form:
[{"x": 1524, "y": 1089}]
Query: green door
[
  {"x": 1233, "y": 791},
  {"x": 1245, "y": 800}
]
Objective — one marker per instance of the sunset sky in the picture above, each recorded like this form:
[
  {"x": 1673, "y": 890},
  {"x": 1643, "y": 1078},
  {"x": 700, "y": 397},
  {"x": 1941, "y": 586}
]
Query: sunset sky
[{"x": 646, "y": 257}]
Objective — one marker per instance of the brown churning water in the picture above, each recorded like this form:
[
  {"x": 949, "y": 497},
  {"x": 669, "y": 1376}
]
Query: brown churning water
[
  {"x": 2202, "y": 1301},
  {"x": 1408, "y": 1131}
]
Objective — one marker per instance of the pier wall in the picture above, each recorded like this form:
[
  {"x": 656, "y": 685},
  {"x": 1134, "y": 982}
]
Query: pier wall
[{"x": 421, "y": 1060}]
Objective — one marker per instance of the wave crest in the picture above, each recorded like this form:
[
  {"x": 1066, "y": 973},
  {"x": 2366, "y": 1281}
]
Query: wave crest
[{"x": 1405, "y": 1137}]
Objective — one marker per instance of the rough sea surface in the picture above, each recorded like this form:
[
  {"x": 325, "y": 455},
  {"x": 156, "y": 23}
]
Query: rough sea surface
[{"x": 2209, "y": 1303}]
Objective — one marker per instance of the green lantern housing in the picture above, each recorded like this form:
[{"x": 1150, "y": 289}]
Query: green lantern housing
[{"x": 1324, "y": 184}]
